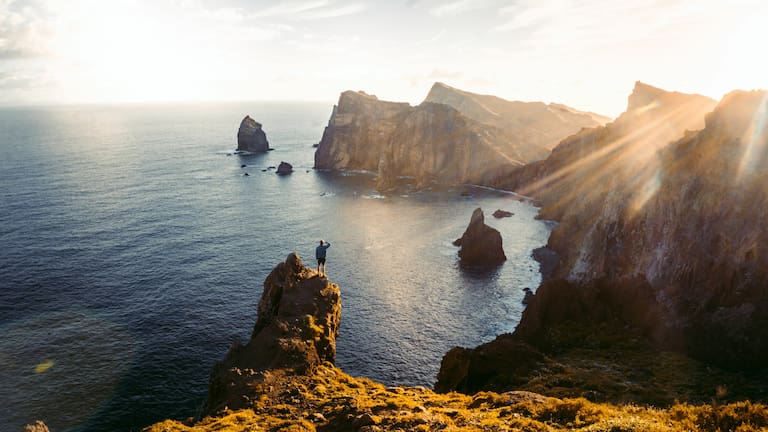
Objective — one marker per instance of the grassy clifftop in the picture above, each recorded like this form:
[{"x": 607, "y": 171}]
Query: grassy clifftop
[{"x": 330, "y": 400}]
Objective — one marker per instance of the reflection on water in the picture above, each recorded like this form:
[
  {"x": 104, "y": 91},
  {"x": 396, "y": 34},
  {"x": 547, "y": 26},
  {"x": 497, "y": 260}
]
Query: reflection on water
[
  {"x": 134, "y": 253},
  {"x": 60, "y": 363}
]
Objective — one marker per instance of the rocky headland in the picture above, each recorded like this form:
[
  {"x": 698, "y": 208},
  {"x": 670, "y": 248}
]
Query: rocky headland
[
  {"x": 284, "y": 379},
  {"x": 660, "y": 279},
  {"x": 250, "y": 137},
  {"x": 447, "y": 138}
]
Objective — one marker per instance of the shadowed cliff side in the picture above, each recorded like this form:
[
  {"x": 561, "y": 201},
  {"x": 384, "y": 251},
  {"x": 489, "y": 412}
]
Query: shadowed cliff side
[
  {"x": 284, "y": 380},
  {"x": 669, "y": 250},
  {"x": 296, "y": 329}
]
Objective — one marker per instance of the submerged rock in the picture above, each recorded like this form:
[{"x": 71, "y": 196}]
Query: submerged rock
[
  {"x": 284, "y": 168},
  {"x": 480, "y": 244},
  {"x": 250, "y": 137},
  {"x": 498, "y": 214}
]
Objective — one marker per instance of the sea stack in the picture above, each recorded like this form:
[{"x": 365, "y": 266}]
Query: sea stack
[
  {"x": 250, "y": 137},
  {"x": 480, "y": 244}
]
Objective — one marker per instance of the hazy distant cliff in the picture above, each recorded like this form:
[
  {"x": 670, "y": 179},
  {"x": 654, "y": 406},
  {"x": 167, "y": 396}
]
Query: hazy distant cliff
[
  {"x": 445, "y": 142},
  {"x": 534, "y": 125},
  {"x": 583, "y": 167}
]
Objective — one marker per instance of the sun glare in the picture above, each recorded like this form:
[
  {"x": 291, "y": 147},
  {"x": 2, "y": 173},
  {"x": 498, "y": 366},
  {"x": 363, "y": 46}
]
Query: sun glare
[{"x": 119, "y": 54}]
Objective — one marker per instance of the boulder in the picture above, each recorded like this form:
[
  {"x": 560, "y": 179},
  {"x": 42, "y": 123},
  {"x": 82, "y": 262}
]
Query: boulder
[
  {"x": 498, "y": 214},
  {"x": 284, "y": 168},
  {"x": 296, "y": 329},
  {"x": 250, "y": 137},
  {"x": 480, "y": 244}
]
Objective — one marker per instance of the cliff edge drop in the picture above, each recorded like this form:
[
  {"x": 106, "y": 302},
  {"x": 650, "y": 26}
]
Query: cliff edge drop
[{"x": 298, "y": 321}]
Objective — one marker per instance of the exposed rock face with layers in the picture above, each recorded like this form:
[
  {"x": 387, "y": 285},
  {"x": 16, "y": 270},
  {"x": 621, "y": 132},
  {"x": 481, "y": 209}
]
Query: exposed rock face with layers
[
  {"x": 427, "y": 142},
  {"x": 296, "y": 329},
  {"x": 439, "y": 141},
  {"x": 534, "y": 125},
  {"x": 250, "y": 136},
  {"x": 480, "y": 244},
  {"x": 669, "y": 242}
]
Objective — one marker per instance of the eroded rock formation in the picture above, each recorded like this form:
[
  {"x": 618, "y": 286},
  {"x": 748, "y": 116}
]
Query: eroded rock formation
[
  {"x": 296, "y": 329},
  {"x": 429, "y": 142},
  {"x": 660, "y": 231},
  {"x": 480, "y": 244},
  {"x": 445, "y": 142},
  {"x": 250, "y": 136}
]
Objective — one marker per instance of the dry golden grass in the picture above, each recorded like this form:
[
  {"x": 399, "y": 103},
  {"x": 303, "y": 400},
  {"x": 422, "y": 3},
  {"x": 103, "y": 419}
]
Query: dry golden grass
[{"x": 330, "y": 400}]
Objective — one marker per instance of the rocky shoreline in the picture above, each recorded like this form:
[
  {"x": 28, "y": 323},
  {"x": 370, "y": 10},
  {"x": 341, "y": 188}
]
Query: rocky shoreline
[
  {"x": 284, "y": 379},
  {"x": 654, "y": 287}
]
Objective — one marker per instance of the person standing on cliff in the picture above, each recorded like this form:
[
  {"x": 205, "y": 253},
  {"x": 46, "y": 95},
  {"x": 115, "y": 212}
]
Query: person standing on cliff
[{"x": 320, "y": 255}]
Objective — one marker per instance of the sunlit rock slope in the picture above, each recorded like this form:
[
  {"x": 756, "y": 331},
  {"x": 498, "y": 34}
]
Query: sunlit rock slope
[
  {"x": 658, "y": 234},
  {"x": 453, "y": 141},
  {"x": 284, "y": 379},
  {"x": 534, "y": 125}
]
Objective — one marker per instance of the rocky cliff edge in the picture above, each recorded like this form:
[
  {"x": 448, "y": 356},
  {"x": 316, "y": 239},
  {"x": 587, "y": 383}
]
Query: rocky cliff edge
[
  {"x": 283, "y": 379},
  {"x": 660, "y": 243},
  {"x": 298, "y": 321}
]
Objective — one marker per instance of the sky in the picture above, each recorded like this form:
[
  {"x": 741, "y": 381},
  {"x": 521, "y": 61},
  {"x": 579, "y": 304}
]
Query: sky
[{"x": 584, "y": 53}]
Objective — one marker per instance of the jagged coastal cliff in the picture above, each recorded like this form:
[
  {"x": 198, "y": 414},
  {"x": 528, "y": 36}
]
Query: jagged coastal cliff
[
  {"x": 660, "y": 235},
  {"x": 452, "y": 137},
  {"x": 284, "y": 379},
  {"x": 655, "y": 292}
]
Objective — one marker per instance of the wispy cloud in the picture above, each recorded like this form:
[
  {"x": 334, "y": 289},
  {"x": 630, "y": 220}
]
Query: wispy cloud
[
  {"x": 432, "y": 39},
  {"x": 287, "y": 8},
  {"x": 22, "y": 80},
  {"x": 458, "y": 7},
  {"x": 335, "y": 12},
  {"x": 25, "y": 29}
]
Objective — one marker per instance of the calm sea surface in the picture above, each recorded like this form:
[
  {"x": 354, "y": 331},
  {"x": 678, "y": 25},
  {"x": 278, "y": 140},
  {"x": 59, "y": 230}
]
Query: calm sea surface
[{"x": 133, "y": 252}]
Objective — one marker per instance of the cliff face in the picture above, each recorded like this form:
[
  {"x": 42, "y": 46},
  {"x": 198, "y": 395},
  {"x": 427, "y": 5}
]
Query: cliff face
[
  {"x": 284, "y": 380},
  {"x": 692, "y": 230},
  {"x": 427, "y": 142},
  {"x": 296, "y": 329},
  {"x": 585, "y": 167},
  {"x": 452, "y": 137},
  {"x": 531, "y": 124},
  {"x": 663, "y": 237}
]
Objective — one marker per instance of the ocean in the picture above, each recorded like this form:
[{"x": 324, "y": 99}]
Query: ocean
[{"x": 133, "y": 250}]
